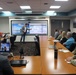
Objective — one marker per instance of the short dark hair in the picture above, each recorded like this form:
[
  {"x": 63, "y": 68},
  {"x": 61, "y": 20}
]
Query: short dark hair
[
  {"x": 69, "y": 30},
  {"x": 26, "y": 23}
]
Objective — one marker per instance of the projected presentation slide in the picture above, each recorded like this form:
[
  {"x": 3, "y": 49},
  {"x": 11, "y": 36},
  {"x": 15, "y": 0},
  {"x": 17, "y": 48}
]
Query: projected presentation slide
[
  {"x": 16, "y": 28},
  {"x": 38, "y": 29},
  {"x": 35, "y": 28}
]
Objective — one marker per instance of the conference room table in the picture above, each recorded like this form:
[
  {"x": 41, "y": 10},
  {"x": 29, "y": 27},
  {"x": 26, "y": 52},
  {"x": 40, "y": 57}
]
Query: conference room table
[
  {"x": 33, "y": 65},
  {"x": 45, "y": 63}
]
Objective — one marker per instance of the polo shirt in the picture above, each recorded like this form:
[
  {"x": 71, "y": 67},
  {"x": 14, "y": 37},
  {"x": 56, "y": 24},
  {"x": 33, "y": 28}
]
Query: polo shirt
[{"x": 69, "y": 42}]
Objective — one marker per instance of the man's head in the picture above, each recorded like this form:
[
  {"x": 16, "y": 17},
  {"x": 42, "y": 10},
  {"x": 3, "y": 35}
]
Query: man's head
[
  {"x": 60, "y": 31},
  {"x": 26, "y": 24},
  {"x": 69, "y": 34},
  {"x": 68, "y": 30}
]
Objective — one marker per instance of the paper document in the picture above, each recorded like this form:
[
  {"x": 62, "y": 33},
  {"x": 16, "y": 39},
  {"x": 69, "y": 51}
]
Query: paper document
[
  {"x": 51, "y": 46},
  {"x": 55, "y": 40},
  {"x": 63, "y": 50}
]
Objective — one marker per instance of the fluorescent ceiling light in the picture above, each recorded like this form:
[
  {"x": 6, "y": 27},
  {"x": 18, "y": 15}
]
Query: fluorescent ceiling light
[
  {"x": 55, "y": 7},
  {"x": 25, "y": 7},
  {"x": 50, "y": 13},
  {"x": 6, "y": 12},
  {"x": 1, "y": 8},
  {"x": 61, "y": 0},
  {"x": 28, "y": 12},
  {"x": 55, "y": 13}
]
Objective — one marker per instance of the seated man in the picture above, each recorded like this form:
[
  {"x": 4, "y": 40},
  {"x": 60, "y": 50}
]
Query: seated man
[
  {"x": 56, "y": 34},
  {"x": 70, "y": 40},
  {"x": 72, "y": 60},
  {"x": 5, "y": 67},
  {"x": 60, "y": 35}
]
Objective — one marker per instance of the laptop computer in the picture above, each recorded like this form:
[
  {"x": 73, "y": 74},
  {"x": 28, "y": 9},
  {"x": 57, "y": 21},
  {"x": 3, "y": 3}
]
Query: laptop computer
[
  {"x": 5, "y": 49},
  {"x": 18, "y": 63}
]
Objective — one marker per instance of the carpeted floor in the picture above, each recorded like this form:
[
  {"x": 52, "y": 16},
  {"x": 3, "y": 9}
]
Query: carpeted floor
[{"x": 28, "y": 48}]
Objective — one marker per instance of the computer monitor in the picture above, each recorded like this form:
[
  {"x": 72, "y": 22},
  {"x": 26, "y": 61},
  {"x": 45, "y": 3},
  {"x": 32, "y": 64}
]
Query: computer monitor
[{"x": 5, "y": 47}]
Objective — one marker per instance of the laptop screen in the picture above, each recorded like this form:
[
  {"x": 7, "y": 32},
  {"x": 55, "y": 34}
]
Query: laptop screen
[{"x": 5, "y": 47}]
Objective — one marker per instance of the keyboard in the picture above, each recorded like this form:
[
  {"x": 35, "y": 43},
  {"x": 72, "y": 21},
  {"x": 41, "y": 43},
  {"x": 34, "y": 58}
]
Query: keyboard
[{"x": 4, "y": 53}]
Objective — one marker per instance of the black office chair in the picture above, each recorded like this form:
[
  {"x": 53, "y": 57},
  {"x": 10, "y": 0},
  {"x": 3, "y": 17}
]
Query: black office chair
[
  {"x": 72, "y": 47},
  {"x": 37, "y": 47},
  {"x": 37, "y": 44},
  {"x": 12, "y": 39},
  {"x": 74, "y": 36},
  {"x": 37, "y": 37},
  {"x": 4, "y": 39}
]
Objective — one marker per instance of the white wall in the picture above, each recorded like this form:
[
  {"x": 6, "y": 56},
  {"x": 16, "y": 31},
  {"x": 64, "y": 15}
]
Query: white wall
[{"x": 4, "y": 24}]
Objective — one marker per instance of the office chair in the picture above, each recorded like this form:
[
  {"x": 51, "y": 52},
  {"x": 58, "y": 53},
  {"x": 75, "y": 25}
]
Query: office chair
[
  {"x": 72, "y": 47},
  {"x": 12, "y": 39},
  {"x": 4, "y": 40},
  {"x": 37, "y": 44},
  {"x": 74, "y": 36},
  {"x": 37, "y": 37}
]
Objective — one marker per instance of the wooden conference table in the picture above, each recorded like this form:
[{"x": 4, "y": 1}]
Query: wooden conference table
[{"x": 45, "y": 63}]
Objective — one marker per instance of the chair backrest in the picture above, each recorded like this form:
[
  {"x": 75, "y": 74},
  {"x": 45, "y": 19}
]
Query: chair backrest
[
  {"x": 72, "y": 47},
  {"x": 14, "y": 37},
  {"x": 37, "y": 47},
  {"x": 37, "y": 37},
  {"x": 74, "y": 36}
]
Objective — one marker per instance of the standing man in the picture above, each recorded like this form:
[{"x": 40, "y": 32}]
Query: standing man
[{"x": 23, "y": 32}]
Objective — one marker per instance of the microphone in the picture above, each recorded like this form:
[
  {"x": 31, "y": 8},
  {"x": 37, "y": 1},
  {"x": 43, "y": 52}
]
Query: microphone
[{"x": 21, "y": 53}]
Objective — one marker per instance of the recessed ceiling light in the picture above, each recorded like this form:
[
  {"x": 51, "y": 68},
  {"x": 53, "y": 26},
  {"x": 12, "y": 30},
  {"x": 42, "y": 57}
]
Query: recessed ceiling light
[
  {"x": 28, "y": 12},
  {"x": 61, "y": 0},
  {"x": 25, "y": 7},
  {"x": 55, "y": 7},
  {"x": 6, "y": 12},
  {"x": 1, "y": 8},
  {"x": 50, "y": 13}
]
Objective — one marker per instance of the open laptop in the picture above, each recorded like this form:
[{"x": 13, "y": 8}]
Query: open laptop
[{"x": 5, "y": 49}]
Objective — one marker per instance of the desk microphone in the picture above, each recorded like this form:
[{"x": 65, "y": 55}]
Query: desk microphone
[
  {"x": 55, "y": 51},
  {"x": 55, "y": 54},
  {"x": 21, "y": 53}
]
